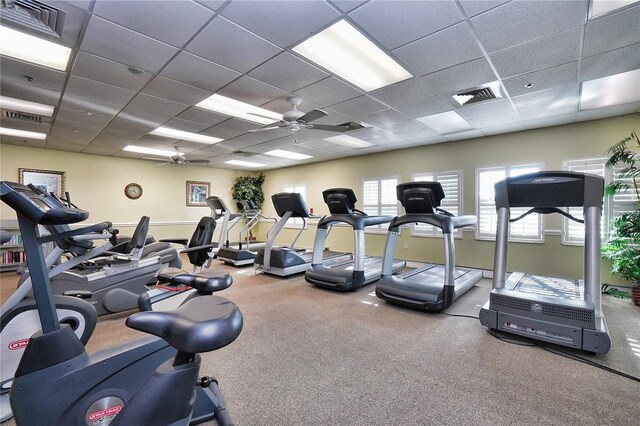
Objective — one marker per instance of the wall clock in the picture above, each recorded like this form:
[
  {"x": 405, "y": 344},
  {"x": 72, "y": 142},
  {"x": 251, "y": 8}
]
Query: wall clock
[{"x": 133, "y": 191}]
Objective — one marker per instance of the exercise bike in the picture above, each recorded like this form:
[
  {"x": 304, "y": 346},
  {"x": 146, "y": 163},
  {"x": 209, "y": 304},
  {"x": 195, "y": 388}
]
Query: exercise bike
[{"x": 58, "y": 383}]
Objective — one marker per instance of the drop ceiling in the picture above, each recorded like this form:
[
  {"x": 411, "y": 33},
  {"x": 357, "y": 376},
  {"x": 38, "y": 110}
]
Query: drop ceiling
[{"x": 539, "y": 52}]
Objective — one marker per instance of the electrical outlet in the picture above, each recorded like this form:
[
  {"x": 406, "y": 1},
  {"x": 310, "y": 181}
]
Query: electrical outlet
[{"x": 406, "y": 245}]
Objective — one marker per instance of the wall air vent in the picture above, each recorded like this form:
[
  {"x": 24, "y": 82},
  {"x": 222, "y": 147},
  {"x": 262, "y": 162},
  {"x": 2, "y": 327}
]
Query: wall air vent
[
  {"x": 34, "y": 15},
  {"x": 22, "y": 116},
  {"x": 474, "y": 96}
]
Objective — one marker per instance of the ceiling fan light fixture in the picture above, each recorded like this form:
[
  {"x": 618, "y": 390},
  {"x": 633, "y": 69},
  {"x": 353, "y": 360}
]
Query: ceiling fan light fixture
[
  {"x": 25, "y": 106},
  {"x": 349, "y": 141},
  {"x": 26, "y": 47},
  {"x": 288, "y": 154},
  {"x": 22, "y": 133},
  {"x": 228, "y": 106},
  {"x": 150, "y": 151},
  {"x": 343, "y": 50},
  {"x": 244, "y": 163},
  {"x": 616, "y": 89},
  {"x": 185, "y": 136}
]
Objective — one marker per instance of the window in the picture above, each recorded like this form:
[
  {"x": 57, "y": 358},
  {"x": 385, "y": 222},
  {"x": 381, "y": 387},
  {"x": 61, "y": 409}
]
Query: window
[
  {"x": 379, "y": 198},
  {"x": 573, "y": 232},
  {"x": 528, "y": 229},
  {"x": 451, "y": 182},
  {"x": 300, "y": 189}
]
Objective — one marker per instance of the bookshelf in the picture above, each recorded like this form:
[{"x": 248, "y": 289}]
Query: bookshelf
[{"x": 12, "y": 254}]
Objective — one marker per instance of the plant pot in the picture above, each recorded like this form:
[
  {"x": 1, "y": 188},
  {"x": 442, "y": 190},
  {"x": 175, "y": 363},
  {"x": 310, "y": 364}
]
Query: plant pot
[{"x": 635, "y": 294}]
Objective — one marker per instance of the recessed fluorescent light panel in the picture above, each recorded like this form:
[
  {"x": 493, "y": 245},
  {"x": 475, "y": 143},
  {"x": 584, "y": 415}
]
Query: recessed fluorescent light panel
[
  {"x": 25, "y": 106},
  {"x": 613, "y": 90},
  {"x": 185, "y": 136},
  {"x": 349, "y": 141},
  {"x": 288, "y": 154},
  {"x": 22, "y": 133},
  {"x": 228, "y": 106},
  {"x": 243, "y": 163},
  {"x": 33, "y": 49},
  {"x": 446, "y": 122},
  {"x": 151, "y": 151},
  {"x": 344, "y": 51},
  {"x": 600, "y": 7}
]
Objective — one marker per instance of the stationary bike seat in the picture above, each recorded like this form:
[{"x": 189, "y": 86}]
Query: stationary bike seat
[
  {"x": 202, "y": 324},
  {"x": 206, "y": 281}
]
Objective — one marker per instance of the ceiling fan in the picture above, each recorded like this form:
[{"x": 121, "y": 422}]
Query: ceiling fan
[
  {"x": 179, "y": 158},
  {"x": 296, "y": 120}
]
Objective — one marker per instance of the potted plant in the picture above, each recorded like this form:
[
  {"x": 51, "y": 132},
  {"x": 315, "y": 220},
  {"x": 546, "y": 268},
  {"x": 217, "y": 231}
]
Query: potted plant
[
  {"x": 249, "y": 188},
  {"x": 623, "y": 246}
]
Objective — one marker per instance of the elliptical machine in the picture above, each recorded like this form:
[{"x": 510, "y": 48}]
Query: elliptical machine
[{"x": 58, "y": 383}]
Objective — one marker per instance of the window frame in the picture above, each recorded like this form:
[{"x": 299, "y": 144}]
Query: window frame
[
  {"x": 434, "y": 232},
  {"x": 383, "y": 228}
]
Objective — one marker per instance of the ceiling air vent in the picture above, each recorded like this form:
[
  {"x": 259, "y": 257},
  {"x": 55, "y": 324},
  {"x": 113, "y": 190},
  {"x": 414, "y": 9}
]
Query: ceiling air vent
[
  {"x": 34, "y": 15},
  {"x": 474, "y": 96},
  {"x": 15, "y": 115}
]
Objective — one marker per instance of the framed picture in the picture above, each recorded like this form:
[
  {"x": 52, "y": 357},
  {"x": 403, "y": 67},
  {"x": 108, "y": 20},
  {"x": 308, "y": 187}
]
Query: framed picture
[
  {"x": 46, "y": 180},
  {"x": 197, "y": 193}
]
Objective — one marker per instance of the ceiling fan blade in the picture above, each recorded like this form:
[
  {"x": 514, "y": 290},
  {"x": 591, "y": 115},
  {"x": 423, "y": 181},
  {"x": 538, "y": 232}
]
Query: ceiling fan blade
[
  {"x": 330, "y": 128},
  {"x": 197, "y": 161},
  {"x": 263, "y": 116},
  {"x": 280, "y": 125},
  {"x": 164, "y": 164},
  {"x": 154, "y": 158},
  {"x": 312, "y": 115}
]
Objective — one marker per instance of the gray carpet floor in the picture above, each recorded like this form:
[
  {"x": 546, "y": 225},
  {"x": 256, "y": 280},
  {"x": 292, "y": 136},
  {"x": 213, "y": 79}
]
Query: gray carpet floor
[{"x": 308, "y": 356}]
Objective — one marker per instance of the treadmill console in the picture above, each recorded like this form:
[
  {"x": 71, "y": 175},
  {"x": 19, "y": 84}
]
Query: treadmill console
[
  {"x": 38, "y": 208},
  {"x": 340, "y": 200},
  {"x": 290, "y": 202},
  {"x": 420, "y": 197}
]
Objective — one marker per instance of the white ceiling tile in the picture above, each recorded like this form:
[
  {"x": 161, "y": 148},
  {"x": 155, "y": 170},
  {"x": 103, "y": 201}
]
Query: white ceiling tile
[
  {"x": 100, "y": 150},
  {"x": 542, "y": 53},
  {"x": 88, "y": 105},
  {"x": 503, "y": 128},
  {"x": 288, "y": 72},
  {"x": 467, "y": 134},
  {"x": 612, "y": 111},
  {"x": 491, "y": 108},
  {"x": 166, "y": 88},
  {"x": 14, "y": 140},
  {"x": 212, "y": 4},
  {"x": 475, "y": 7},
  {"x": 508, "y": 117},
  {"x": 359, "y": 106},
  {"x": 238, "y": 125},
  {"x": 199, "y": 72},
  {"x": 428, "y": 106},
  {"x": 412, "y": 135},
  {"x": 347, "y": 5},
  {"x": 82, "y": 117},
  {"x": 610, "y": 63},
  {"x": 156, "y": 105},
  {"x": 28, "y": 92},
  {"x": 381, "y": 118},
  {"x": 281, "y": 22},
  {"x": 120, "y": 44},
  {"x": 441, "y": 50},
  {"x": 232, "y": 46},
  {"x": 548, "y": 103},
  {"x": 520, "y": 21},
  {"x": 219, "y": 132},
  {"x": 160, "y": 21},
  {"x": 184, "y": 125},
  {"x": 251, "y": 91},
  {"x": 104, "y": 70},
  {"x": 203, "y": 116},
  {"x": 612, "y": 31},
  {"x": 460, "y": 77},
  {"x": 24, "y": 72},
  {"x": 328, "y": 92},
  {"x": 541, "y": 80},
  {"x": 98, "y": 91},
  {"x": 403, "y": 126},
  {"x": 411, "y": 90}
]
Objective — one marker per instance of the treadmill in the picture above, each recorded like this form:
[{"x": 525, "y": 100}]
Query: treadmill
[
  {"x": 556, "y": 310},
  {"x": 285, "y": 261},
  {"x": 429, "y": 287},
  {"x": 220, "y": 210},
  {"x": 362, "y": 270},
  {"x": 245, "y": 252}
]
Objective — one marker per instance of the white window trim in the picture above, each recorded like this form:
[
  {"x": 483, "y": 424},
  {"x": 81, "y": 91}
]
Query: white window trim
[
  {"x": 384, "y": 228},
  {"x": 458, "y": 233},
  {"x": 506, "y": 168}
]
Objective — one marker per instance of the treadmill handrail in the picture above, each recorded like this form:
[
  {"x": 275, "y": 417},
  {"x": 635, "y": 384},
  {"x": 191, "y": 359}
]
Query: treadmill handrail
[
  {"x": 357, "y": 222},
  {"x": 446, "y": 223}
]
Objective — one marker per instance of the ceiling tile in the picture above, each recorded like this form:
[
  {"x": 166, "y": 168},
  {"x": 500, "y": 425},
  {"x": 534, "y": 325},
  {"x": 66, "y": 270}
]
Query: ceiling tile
[
  {"x": 417, "y": 134},
  {"x": 157, "y": 105},
  {"x": 475, "y": 7},
  {"x": 467, "y": 134},
  {"x": 104, "y": 70},
  {"x": 95, "y": 90},
  {"x": 23, "y": 72},
  {"x": 428, "y": 106},
  {"x": 520, "y": 21},
  {"x": 612, "y": 111},
  {"x": 99, "y": 150},
  {"x": 395, "y": 23},
  {"x": 347, "y": 5},
  {"x": 234, "y": 46},
  {"x": 610, "y": 63},
  {"x": 288, "y": 72},
  {"x": 166, "y": 88},
  {"x": 237, "y": 125},
  {"x": 484, "y": 121},
  {"x": 251, "y": 91},
  {"x": 381, "y": 118},
  {"x": 199, "y": 72},
  {"x": 538, "y": 54},
  {"x": 120, "y": 44},
  {"x": 67, "y": 135},
  {"x": 503, "y": 128},
  {"x": 14, "y": 140},
  {"x": 403, "y": 126},
  {"x": 328, "y": 91},
  {"x": 219, "y": 132},
  {"x": 441, "y": 50},
  {"x": 88, "y": 105},
  {"x": 203, "y": 116},
  {"x": 460, "y": 77},
  {"x": 139, "y": 121},
  {"x": 550, "y": 121},
  {"x": 486, "y": 109},
  {"x": 557, "y": 101},
  {"x": 359, "y": 107},
  {"x": 85, "y": 126},
  {"x": 542, "y": 80},
  {"x": 281, "y": 22},
  {"x": 411, "y": 90},
  {"x": 28, "y": 125},
  {"x": 282, "y": 105},
  {"x": 187, "y": 126},
  {"x": 82, "y": 117},
  {"x": 212, "y": 4},
  {"x": 158, "y": 21},
  {"x": 28, "y": 92},
  {"x": 611, "y": 31}
]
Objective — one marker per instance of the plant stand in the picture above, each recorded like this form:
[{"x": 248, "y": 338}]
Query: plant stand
[{"x": 635, "y": 294}]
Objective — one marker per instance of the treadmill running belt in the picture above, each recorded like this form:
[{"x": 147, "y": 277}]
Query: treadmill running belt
[{"x": 550, "y": 287}]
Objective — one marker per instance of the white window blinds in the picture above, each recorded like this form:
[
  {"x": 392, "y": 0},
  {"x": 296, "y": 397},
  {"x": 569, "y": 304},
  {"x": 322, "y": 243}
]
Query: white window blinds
[
  {"x": 451, "y": 182},
  {"x": 379, "y": 198}
]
